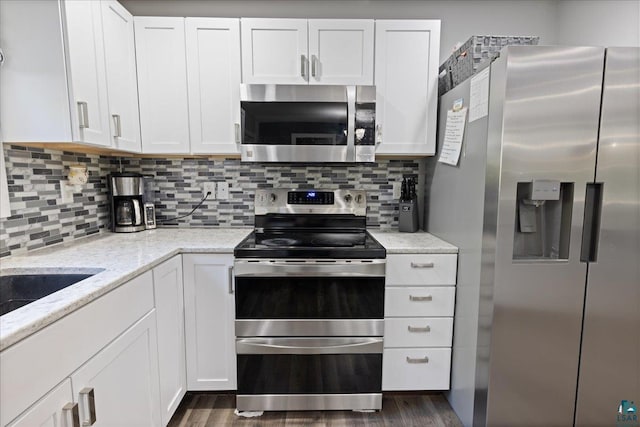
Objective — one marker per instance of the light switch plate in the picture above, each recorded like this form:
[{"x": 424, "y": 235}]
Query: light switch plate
[
  {"x": 223, "y": 191},
  {"x": 66, "y": 192},
  {"x": 397, "y": 186}
]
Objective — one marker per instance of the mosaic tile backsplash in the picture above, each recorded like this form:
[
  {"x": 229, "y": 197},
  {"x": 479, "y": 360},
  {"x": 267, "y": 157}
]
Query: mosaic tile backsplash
[{"x": 39, "y": 218}]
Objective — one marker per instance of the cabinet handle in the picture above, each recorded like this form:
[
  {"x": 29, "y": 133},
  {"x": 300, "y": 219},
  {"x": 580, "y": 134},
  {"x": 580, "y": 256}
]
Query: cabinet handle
[
  {"x": 378, "y": 134},
  {"x": 231, "y": 279},
  {"x": 87, "y": 396},
  {"x": 314, "y": 61},
  {"x": 424, "y": 298},
  {"x": 1, "y": 57},
  {"x": 418, "y": 360},
  {"x": 117, "y": 125},
  {"x": 70, "y": 415},
  {"x": 303, "y": 67},
  {"x": 418, "y": 329},
  {"x": 237, "y": 126},
  {"x": 83, "y": 113},
  {"x": 422, "y": 265}
]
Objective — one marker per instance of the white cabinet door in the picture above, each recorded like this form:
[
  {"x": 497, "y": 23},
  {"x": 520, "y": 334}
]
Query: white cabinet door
[
  {"x": 209, "y": 321},
  {"x": 274, "y": 51},
  {"x": 162, "y": 84},
  {"x": 341, "y": 51},
  {"x": 123, "y": 378},
  {"x": 48, "y": 412},
  {"x": 120, "y": 55},
  {"x": 213, "y": 71},
  {"x": 406, "y": 78},
  {"x": 169, "y": 301},
  {"x": 87, "y": 76}
]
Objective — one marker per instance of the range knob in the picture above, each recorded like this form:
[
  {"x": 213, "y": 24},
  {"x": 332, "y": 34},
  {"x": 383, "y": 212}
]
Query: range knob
[
  {"x": 359, "y": 198},
  {"x": 348, "y": 198},
  {"x": 272, "y": 197}
]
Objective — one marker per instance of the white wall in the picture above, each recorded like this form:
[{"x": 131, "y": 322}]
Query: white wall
[
  {"x": 460, "y": 18},
  {"x": 599, "y": 23}
]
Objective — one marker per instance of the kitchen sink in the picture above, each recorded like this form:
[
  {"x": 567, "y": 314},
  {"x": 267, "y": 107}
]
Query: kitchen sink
[{"x": 19, "y": 289}]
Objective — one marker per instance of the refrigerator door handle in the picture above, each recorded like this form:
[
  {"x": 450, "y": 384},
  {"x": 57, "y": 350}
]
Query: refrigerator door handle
[{"x": 591, "y": 224}]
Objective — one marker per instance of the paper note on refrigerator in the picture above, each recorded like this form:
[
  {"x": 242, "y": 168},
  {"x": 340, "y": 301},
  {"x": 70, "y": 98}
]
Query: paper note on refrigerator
[
  {"x": 479, "y": 95},
  {"x": 453, "y": 134}
]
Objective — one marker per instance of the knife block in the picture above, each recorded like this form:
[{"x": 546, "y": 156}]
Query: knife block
[{"x": 408, "y": 217}]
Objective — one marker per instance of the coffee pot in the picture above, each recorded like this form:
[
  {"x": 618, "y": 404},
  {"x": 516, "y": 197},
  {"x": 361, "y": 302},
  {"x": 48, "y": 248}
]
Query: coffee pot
[{"x": 126, "y": 192}]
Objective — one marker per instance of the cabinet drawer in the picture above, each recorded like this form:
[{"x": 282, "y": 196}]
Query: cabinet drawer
[
  {"x": 434, "y": 301},
  {"x": 418, "y": 332},
  {"x": 416, "y": 369},
  {"x": 421, "y": 269}
]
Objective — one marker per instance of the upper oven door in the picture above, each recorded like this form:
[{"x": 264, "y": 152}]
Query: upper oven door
[
  {"x": 309, "y": 298},
  {"x": 297, "y": 123}
]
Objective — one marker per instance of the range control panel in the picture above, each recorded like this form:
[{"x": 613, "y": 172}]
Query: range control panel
[
  {"x": 310, "y": 198},
  {"x": 310, "y": 201}
]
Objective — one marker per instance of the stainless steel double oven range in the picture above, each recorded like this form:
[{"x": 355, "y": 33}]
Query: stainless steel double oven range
[{"x": 309, "y": 288}]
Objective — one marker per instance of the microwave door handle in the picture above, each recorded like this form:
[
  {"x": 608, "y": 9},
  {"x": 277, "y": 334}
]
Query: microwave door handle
[{"x": 351, "y": 124}]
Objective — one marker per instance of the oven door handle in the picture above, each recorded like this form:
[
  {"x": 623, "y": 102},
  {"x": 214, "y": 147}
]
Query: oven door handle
[
  {"x": 308, "y": 345},
  {"x": 309, "y": 268}
]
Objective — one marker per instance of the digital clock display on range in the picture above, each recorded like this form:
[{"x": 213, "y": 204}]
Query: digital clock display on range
[{"x": 310, "y": 198}]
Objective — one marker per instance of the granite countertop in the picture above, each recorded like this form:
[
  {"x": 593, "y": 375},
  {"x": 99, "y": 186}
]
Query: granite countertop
[
  {"x": 120, "y": 257},
  {"x": 412, "y": 243}
]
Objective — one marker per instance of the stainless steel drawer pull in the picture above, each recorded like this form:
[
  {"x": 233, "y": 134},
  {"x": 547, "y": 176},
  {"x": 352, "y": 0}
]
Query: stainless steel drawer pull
[
  {"x": 422, "y": 265},
  {"x": 117, "y": 125},
  {"x": 314, "y": 61},
  {"x": 418, "y": 360},
  {"x": 303, "y": 67},
  {"x": 423, "y": 298},
  {"x": 231, "y": 279},
  {"x": 70, "y": 415},
  {"x": 418, "y": 329},
  {"x": 237, "y": 126},
  {"x": 83, "y": 113},
  {"x": 88, "y": 399}
]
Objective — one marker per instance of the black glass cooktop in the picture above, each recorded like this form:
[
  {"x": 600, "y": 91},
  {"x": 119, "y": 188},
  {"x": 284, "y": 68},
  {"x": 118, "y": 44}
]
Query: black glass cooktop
[{"x": 283, "y": 244}]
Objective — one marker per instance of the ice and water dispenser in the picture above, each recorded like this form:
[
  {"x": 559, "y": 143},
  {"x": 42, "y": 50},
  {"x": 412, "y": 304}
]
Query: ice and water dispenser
[{"x": 543, "y": 220}]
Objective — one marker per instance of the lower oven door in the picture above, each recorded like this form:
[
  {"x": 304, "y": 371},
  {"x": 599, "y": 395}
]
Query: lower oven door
[{"x": 281, "y": 374}]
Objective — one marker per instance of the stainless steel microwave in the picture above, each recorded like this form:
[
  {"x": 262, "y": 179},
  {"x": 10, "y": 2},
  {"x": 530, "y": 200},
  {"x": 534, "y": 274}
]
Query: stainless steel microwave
[{"x": 298, "y": 123}]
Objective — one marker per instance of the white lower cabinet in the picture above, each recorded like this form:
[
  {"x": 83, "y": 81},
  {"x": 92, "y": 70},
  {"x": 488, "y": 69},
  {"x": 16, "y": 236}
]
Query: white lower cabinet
[
  {"x": 110, "y": 366},
  {"x": 418, "y": 325},
  {"x": 119, "y": 385},
  {"x": 49, "y": 411},
  {"x": 209, "y": 306},
  {"x": 169, "y": 302}
]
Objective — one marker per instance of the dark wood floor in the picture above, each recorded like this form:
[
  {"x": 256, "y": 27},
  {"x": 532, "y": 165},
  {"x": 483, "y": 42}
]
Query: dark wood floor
[{"x": 211, "y": 409}]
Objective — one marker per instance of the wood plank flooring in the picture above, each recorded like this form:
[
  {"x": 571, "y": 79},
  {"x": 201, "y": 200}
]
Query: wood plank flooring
[{"x": 213, "y": 409}]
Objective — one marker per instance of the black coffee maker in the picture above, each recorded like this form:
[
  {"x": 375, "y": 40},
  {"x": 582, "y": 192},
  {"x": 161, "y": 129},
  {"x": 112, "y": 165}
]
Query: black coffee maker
[{"x": 126, "y": 191}]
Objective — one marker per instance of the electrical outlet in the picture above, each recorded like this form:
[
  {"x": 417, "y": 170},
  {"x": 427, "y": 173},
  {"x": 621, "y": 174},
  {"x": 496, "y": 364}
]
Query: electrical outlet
[
  {"x": 66, "y": 192},
  {"x": 209, "y": 187},
  {"x": 397, "y": 187},
  {"x": 223, "y": 191}
]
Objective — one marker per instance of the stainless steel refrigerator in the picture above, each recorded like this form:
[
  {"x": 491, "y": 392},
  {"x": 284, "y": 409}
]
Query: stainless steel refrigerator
[{"x": 544, "y": 205}]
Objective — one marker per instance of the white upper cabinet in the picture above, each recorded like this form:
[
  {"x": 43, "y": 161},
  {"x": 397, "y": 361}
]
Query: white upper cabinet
[
  {"x": 406, "y": 79},
  {"x": 87, "y": 76},
  {"x": 122, "y": 86},
  {"x": 53, "y": 80},
  {"x": 341, "y": 51},
  {"x": 162, "y": 84},
  {"x": 314, "y": 51},
  {"x": 213, "y": 72},
  {"x": 274, "y": 51}
]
